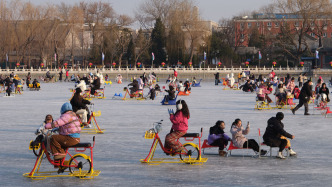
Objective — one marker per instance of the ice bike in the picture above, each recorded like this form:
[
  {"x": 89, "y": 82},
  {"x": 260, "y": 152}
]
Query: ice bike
[
  {"x": 94, "y": 129},
  {"x": 79, "y": 165},
  {"x": 191, "y": 154}
]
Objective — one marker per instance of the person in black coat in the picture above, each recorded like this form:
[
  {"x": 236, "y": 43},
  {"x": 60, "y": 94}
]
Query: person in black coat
[
  {"x": 324, "y": 90},
  {"x": 171, "y": 94},
  {"x": 273, "y": 133},
  {"x": 95, "y": 85},
  {"x": 134, "y": 87},
  {"x": 60, "y": 75},
  {"x": 247, "y": 87},
  {"x": 304, "y": 97},
  {"x": 216, "y": 77},
  {"x": 79, "y": 106},
  {"x": 217, "y": 137}
]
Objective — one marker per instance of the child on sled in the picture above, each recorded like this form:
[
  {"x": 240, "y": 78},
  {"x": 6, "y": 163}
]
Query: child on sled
[
  {"x": 217, "y": 137},
  {"x": 179, "y": 127}
]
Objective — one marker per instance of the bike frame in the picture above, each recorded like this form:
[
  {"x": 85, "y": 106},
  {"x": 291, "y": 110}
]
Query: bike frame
[
  {"x": 157, "y": 141},
  {"x": 136, "y": 95},
  {"x": 62, "y": 163},
  {"x": 96, "y": 128}
]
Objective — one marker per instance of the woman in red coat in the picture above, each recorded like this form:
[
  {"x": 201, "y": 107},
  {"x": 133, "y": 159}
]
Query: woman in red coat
[{"x": 179, "y": 127}]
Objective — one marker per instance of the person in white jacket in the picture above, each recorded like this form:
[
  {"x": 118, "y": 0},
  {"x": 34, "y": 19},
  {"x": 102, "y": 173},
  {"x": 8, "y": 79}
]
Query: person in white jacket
[{"x": 240, "y": 141}]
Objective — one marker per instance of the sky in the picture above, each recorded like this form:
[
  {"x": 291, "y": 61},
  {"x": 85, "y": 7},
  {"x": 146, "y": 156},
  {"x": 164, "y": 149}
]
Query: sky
[{"x": 209, "y": 9}]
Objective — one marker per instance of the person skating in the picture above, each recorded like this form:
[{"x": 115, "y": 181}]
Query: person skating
[
  {"x": 275, "y": 135},
  {"x": 217, "y": 137},
  {"x": 304, "y": 97}
]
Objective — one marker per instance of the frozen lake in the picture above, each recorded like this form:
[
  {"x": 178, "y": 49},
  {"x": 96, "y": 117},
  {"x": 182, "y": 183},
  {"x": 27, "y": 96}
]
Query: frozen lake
[{"x": 118, "y": 151}]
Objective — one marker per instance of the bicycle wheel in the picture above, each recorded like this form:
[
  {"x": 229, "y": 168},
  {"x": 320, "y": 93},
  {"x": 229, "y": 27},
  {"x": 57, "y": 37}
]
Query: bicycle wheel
[
  {"x": 79, "y": 162},
  {"x": 192, "y": 153}
]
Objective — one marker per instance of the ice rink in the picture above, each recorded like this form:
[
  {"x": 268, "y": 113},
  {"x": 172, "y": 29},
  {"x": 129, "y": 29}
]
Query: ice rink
[{"x": 118, "y": 151}]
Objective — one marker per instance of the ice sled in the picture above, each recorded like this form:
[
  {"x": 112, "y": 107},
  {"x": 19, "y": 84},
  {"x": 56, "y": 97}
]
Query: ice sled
[
  {"x": 170, "y": 102},
  {"x": 197, "y": 84}
]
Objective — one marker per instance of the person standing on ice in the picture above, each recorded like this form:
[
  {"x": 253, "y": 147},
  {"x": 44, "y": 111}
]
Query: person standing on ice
[
  {"x": 179, "y": 127},
  {"x": 216, "y": 78},
  {"x": 275, "y": 135},
  {"x": 218, "y": 137},
  {"x": 304, "y": 97},
  {"x": 232, "y": 80},
  {"x": 240, "y": 141},
  {"x": 175, "y": 75}
]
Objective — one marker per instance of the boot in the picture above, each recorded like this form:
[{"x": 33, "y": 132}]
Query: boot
[
  {"x": 222, "y": 153},
  {"x": 293, "y": 111},
  {"x": 280, "y": 155},
  {"x": 291, "y": 152}
]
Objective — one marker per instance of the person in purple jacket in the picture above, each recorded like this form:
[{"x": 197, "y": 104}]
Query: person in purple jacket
[
  {"x": 217, "y": 137},
  {"x": 69, "y": 131}
]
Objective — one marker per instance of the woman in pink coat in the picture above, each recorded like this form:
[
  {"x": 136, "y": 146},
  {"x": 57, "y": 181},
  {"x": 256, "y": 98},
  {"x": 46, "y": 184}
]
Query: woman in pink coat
[
  {"x": 179, "y": 127},
  {"x": 69, "y": 131}
]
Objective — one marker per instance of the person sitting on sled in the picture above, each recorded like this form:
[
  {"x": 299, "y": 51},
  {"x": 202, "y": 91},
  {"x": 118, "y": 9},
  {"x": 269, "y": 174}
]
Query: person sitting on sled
[
  {"x": 171, "y": 94},
  {"x": 275, "y": 135},
  {"x": 179, "y": 128},
  {"x": 69, "y": 131},
  {"x": 247, "y": 87},
  {"x": 240, "y": 141},
  {"x": 324, "y": 90},
  {"x": 280, "y": 93},
  {"x": 134, "y": 87},
  {"x": 187, "y": 86},
  {"x": 35, "y": 83},
  {"x": 217, "y": 137},
  {"x": 95, "y": 85},
  {"x": 262, "y": 93},
  {"x": 181, "y": 87}
]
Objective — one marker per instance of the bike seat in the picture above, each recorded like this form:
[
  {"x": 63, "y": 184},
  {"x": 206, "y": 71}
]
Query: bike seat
[
  {"x": 82, "y": 145},
  {"x": 194, "y": 135}
]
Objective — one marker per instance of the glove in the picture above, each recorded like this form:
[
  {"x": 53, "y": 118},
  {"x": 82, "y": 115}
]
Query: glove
[
  {"x": 170, "y": 111},
  {"x": 39, "y": 130}
]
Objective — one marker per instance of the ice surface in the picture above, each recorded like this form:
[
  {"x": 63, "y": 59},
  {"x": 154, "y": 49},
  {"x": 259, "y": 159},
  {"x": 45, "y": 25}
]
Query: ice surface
[{"x": 118, "y": 151}]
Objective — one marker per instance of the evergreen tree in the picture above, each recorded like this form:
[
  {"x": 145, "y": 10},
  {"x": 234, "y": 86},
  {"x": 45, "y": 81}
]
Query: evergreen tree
[{"x": 158, "y": 42}]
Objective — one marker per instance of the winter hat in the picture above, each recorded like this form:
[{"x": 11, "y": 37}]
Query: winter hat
[
  {"x": 66, "y": 107},
  {"x": 280, "y": 115},
  {"x": 78, "y": 90}
]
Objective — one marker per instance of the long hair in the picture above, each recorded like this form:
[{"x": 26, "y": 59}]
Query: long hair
[
  {"x": 235, "y": 122},
  {"x": 185, "y": 109}
]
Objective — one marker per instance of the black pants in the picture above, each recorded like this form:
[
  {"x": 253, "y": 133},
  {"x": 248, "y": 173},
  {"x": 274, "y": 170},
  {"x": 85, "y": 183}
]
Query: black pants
[
  {"x": 216, "y": 81},
  {"x": 300, "y": 84},
  {"x": 222, "y": 143},
  {"x": 276, "y": 142},
  {"x": 252, "y": 144},
  {"x": 301, "y": 103}
]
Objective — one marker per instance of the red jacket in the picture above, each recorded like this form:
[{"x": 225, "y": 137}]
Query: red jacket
[
  {"x": 175, "y": 74},
  {"x": 180, "y": 122}
]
